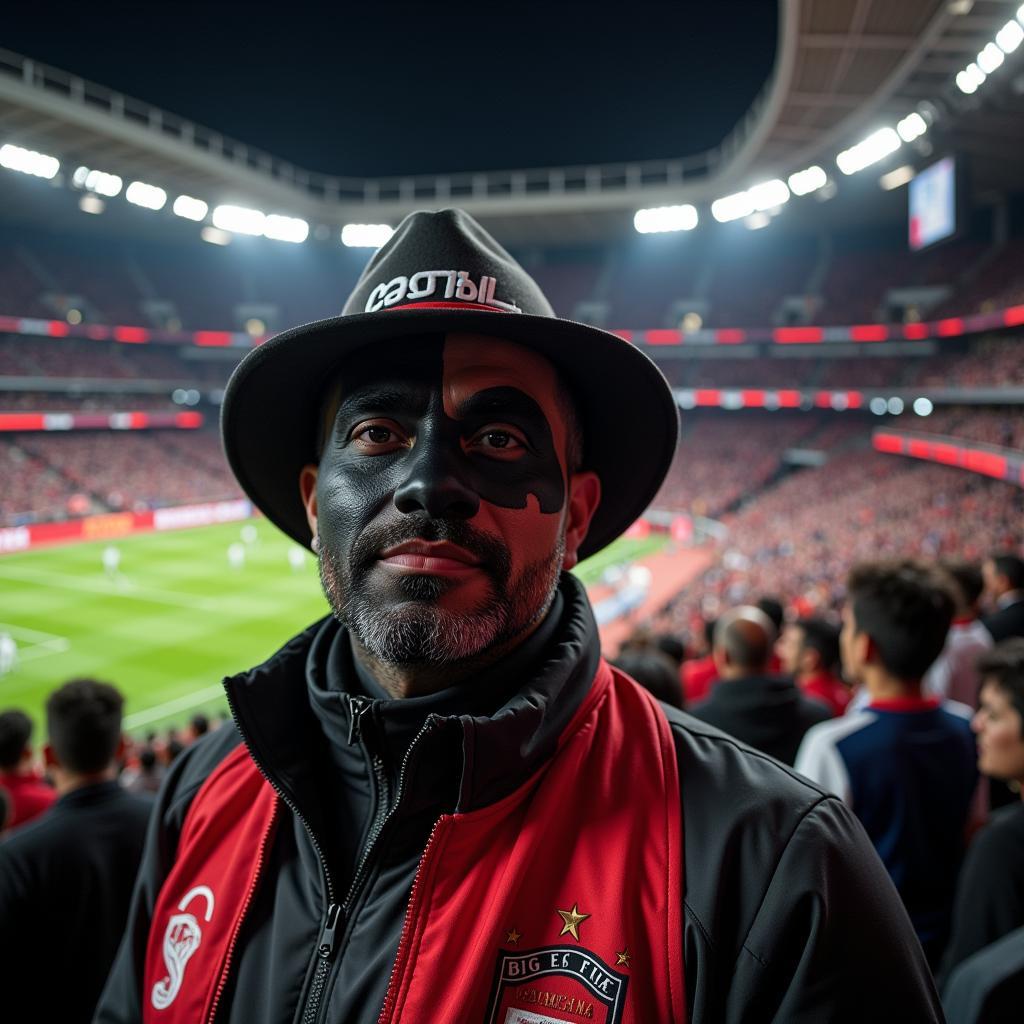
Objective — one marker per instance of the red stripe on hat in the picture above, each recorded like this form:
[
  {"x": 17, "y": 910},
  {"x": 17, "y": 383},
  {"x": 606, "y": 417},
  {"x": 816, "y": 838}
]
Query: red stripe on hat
[{"x": 443, "y": 305}]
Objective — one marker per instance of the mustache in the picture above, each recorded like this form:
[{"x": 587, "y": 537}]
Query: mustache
[{"x": 492, "y": 554}]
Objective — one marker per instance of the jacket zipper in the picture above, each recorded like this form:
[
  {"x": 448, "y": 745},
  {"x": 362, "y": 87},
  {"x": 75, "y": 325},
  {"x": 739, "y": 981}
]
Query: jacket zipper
[
  {"x": 226, "y": 967},
  {"x": 410, "y": 915},
  {"x": 325, "y": 944}
]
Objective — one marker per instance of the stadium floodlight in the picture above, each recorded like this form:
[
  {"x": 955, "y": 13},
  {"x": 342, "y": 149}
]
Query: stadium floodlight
[
  {"x": 896, "y": 177},
  {"x": 808, "y": 180},
  {"x": 965, "y": 82},
  {"x": 1020, "y": 14},
  {"x": 215, "y": 236},
  {"x": 913, "y": 126},
  {"x": 923, "y": 406},
  {"x": 990, "y": 58},
  {"x": 875, "y": 147},
  {"x": 1009, "y": 37},
  {"x": 768, "y": 194},
  {"x": 100, "y": 182},
  {"x": 28, "y": 161},
  {"x": 149, "y": 196},
  {"x": 239, "y": 219},
  {"x": 757, "y": 220},
  {"x": 91, "y": 204},
  {"x": 733, "y": 207},
  {"x": 285, "y": 229},
  {"x": 665, "y": 218},
  {"x": 894, "y": 406},
  {"x": 190, "y": 208},
  {"x": 878, "y": 406},
  {"x": 366, "y": 236}
]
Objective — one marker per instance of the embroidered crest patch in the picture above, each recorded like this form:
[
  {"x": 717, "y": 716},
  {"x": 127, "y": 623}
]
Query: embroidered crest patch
[{"x": 555, "y": 985}]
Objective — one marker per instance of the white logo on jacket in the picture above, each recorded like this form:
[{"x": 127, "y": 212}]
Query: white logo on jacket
[
  {"x": 181, "y": 940},
  {"x": 422, "y": 284}
]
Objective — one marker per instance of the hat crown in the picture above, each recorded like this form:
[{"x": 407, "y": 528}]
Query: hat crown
[{"x": 445, "y": 260}]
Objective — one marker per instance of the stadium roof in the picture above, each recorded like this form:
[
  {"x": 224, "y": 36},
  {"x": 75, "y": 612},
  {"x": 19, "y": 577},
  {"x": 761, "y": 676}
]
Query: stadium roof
[{"x": 842, "y": 68}]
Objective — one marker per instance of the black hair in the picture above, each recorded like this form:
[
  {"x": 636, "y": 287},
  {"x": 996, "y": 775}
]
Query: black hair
[
  {"x": 1010, "y": 565},
  {"x": 200, "y": 724},
  {"x": 654, "y": 671},
  {"x": 906, "y": 607},
  {"x": 1004, "y": 666},
  {"x": 147, "y": 760},
  {"x": 967, "y": 576},
  {"x": 15, "y": 732},
  {"x": 83, "y": 722},
  {"x": 772, "y": 607},
  {"x": 669, "y": 644},
  {"x": 821, "y": 636},
  {"x": 709, "y": 632}
]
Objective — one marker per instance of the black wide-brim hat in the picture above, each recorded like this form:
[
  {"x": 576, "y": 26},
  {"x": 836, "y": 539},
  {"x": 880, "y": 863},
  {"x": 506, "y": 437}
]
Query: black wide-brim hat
[{"x": 442, "y": 273}]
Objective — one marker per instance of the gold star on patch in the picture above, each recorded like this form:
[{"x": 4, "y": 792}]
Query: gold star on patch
[
  {"x": 623, "y": 958},
  {"x": 513, "y": 938},
  {"x": 572, "y": 920}
]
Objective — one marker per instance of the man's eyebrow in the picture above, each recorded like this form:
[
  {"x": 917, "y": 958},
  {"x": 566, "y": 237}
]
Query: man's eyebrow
[
  {"x": 500, "y": 400},
  {"x": 379, "y": 399}
]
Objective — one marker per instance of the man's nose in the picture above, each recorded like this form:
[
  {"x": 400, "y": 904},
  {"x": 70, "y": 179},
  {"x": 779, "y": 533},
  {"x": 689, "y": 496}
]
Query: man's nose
[{"x": 434, "y": 483}]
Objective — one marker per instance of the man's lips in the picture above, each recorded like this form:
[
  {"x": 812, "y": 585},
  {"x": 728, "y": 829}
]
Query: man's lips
[{"x": 429, "y": 556}]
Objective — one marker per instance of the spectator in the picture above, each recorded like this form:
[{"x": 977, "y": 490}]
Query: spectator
[
  {"x": 66, "y": 879},
  {"x": 654, "y": 671},
  {"x": 27, "y": 792},
  {"x": 809, "y": 652},
  {"x": 199, "y": 725},
  {"x": 700, "y": 674},
  {"x": 1004, "y": 581},
  {"x": 672, "y": 647},
  {"x": 768, "y": 712},
  {"x": 990, "y": 893},
  {"x": 772, "y": 607},
  {"x": 146, "y": 776},
  {"x": 904, "y": 763},
  {"x": 955, "y": 673}
]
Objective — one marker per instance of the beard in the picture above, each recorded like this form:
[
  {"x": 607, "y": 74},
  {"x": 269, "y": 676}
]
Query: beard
[{"x": 415, "y": 630}]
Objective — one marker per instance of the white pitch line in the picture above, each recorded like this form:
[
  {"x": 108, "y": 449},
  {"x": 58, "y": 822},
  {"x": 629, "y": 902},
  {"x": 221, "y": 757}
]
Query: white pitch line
[
  {"x": 43, "y": 650},
  {"x": 60, "y": 580},
  {"x": 189, "y": 700}
]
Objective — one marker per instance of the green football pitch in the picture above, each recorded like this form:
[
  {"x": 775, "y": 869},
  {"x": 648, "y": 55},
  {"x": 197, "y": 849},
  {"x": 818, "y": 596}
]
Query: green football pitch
[{"x": 173, "y": 620}]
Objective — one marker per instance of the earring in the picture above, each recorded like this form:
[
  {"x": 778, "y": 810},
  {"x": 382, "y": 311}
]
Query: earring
[{"x": 315, "y": 544}]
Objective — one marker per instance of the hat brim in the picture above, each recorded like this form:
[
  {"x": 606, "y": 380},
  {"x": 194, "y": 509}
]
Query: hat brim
[{"x": 272, "y": 405}]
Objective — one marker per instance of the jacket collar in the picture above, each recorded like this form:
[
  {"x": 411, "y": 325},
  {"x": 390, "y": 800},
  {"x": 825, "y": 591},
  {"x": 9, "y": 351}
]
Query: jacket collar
[{"x": 492, "y": 753}]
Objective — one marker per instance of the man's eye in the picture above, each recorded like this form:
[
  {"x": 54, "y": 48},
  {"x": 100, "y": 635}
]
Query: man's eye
[
  {"x": 373, "y": 434},
  {"x": 501, "y": 440}
]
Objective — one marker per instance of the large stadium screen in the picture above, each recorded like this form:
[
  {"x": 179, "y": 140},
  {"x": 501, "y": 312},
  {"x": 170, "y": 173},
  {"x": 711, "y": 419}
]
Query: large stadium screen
[{"x": 932, "y": 204}]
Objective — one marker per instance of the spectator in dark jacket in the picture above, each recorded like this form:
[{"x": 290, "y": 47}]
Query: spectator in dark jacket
[
  {"x": 768, "y": 712},
  {"x": 990, "y": 892},
  {"x": 1003, "y": 572},
  {"x": 66, "y": 878},
  {"x": 654, "y": 671}
]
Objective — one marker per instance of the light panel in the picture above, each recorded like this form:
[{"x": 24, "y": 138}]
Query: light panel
[
  {"x": 665, "y": 218},
  {"x": 190, "y": 208},
  {"x": 28, "y": 161},
  {"x": 149, "y": 196},
  {"x": 366, "y": 236},
  {"x": 875, "y": 147},
  {"x": 239, "y": 219},
  {"x": 808, "y": 180}
]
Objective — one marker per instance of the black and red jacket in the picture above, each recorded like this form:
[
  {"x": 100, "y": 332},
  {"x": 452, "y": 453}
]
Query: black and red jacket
[{"x": 578, "y": 853}]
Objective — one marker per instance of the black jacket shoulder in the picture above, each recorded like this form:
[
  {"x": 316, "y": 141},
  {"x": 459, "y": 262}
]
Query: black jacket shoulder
[{"x": 789, "y": 913}]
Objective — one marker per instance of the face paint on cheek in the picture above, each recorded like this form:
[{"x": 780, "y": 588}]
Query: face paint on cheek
[{"x": 484, "y": 374}]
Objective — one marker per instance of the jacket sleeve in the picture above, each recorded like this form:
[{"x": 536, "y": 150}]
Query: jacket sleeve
[
  {"x": 831, "y": 940},
  {"x": 121, "y": 1001}
]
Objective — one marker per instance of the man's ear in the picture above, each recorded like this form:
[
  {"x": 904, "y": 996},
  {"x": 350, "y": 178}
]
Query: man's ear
[
  {"x": 720, "y": 658},
  {"x": 584, "y": 497},
  {"x": 307, "y": 488},
  {"x": 867, "y": 649}
]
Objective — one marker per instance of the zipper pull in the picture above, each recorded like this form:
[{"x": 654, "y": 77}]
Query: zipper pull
[
  {"x": 357, "y": 707},
  {"x": 326, "y": 946}
]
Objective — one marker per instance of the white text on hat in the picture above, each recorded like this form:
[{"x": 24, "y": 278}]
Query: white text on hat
[{"x": 424, "y": 283}]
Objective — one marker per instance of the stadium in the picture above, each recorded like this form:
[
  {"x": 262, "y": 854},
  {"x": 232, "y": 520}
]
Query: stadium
[{"x": 834, "y": 292}]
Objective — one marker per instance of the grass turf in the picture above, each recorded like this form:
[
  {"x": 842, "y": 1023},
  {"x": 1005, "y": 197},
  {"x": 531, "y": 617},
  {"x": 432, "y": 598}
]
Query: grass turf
[{"x": 173, "y": 621}]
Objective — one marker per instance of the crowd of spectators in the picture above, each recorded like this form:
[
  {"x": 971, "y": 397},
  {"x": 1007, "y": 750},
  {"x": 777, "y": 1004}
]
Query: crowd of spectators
[{"x": 1000, "y": 426}]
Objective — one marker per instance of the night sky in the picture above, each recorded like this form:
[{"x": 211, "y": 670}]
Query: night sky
[{"x": 392, "y": 88}]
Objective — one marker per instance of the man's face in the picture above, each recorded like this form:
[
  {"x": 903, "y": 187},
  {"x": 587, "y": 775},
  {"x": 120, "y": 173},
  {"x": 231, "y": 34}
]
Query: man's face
[
  {"x": 443, "y": 503},
  {"x": 997, "y": 725},
  {"x": 790, "y": 649},
  {"x": 995, "y": 583},
  {"x": 853, "y": 647}
]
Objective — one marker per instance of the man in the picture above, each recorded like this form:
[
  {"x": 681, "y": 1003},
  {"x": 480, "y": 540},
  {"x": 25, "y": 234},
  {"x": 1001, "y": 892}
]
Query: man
[
  {"x": 440, "y": 803},
  {"x": 699, "y": 675},
  {"x": 990, "y": 891},
  {"x": 954, "y": 675},
  {"x": 905, "y": 763},
  {"x": 766, "y": 711},
  {"x": 809, "y": 652},
  {"x": 1003, "y": 572},
  {"x": 66, "y": 878},
  {"x": 27, "y": 792}
]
